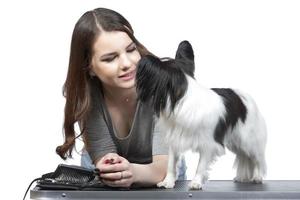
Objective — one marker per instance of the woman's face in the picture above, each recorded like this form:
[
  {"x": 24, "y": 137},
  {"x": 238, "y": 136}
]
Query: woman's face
[{"x": 114, "y": 60}]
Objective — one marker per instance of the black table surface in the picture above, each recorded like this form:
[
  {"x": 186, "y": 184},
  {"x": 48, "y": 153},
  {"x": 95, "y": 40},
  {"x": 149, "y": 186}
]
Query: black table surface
[{"x": 214, "y": 189}]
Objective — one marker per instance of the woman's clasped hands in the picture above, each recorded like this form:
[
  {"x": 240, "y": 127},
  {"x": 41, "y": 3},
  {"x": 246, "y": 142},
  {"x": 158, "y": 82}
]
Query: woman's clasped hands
[{"x": 115, "y": 171}]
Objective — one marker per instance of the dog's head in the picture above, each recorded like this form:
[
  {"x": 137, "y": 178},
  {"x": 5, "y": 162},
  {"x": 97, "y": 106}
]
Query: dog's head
[{"x": 163, "y": 81}]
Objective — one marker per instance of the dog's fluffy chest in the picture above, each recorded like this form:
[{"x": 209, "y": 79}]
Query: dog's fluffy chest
[
  {"x": 186, "y": 139},
  {"x": 192, "y": 122}
]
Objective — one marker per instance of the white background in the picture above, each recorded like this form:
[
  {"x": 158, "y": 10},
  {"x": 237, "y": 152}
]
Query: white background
[{"x": 250, "y": 45}]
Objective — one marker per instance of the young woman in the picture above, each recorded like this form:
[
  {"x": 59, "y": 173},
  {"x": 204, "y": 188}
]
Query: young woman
[{"x": 119, "y": 132}]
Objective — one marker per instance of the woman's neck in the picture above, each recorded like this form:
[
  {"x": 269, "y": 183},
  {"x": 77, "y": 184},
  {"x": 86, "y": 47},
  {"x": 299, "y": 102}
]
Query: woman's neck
[{"x": 120, "y": 96}]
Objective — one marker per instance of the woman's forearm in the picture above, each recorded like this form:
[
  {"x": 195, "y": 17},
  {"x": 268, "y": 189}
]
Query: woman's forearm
[{"x": 150, "y": 174}]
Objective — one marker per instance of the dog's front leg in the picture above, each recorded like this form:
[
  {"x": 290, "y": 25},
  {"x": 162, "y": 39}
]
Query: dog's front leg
[
  {"x": 169, "y": 181},
  {"x": 205, "y": 159}
]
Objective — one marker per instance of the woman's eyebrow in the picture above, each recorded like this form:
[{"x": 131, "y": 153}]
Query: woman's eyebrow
[
  {"x": 115, "y": 53},
  {"x": 131, "y": 44}
]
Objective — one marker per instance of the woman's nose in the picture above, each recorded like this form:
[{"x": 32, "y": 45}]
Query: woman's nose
[{"x": 125, "y": 62}]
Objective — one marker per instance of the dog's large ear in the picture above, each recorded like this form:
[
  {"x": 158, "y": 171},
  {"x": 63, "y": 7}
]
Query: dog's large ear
[{"x": 185, "y": 54}]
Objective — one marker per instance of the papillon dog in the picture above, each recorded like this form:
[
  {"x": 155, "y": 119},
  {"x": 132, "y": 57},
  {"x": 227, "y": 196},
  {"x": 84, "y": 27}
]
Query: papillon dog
[{"x": 200, "y": 119}]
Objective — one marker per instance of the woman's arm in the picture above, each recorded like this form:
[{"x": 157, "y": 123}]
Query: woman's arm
[
  {"x": 153, "y": 173},
  {"x": 116, "y": 171}
]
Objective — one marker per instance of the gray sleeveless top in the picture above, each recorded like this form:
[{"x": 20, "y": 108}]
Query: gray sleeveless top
[{"x": 143, "y": 141}]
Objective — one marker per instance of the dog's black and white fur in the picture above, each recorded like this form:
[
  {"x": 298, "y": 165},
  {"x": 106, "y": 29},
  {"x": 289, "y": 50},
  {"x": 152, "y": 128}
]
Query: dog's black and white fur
[{"x": 202, "y": 120}]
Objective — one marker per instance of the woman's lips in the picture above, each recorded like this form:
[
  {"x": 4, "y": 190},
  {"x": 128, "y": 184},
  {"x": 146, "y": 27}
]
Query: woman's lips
[{"x": 128, "y": 76}]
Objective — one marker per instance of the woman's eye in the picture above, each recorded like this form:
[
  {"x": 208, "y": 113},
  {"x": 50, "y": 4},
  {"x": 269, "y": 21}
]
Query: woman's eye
[
  {"x": 131, "y": 49},
  {"x": 108, "y": 59}
]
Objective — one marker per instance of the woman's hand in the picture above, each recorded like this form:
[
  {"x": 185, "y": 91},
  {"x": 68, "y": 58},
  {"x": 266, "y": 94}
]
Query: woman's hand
[{"x": 115, "y": 171}]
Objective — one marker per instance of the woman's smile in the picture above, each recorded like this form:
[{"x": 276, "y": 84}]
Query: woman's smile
[{"x": 128, "y": 76}]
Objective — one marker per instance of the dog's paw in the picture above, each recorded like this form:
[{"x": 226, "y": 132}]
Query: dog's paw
[
  {"x": 195, "y": 185},
  {"x": 257, "y": 180},
  {"x": 241, "y": 180},
  {"x": 237, "y": 180},
  {"x": 166, "y": 184}
]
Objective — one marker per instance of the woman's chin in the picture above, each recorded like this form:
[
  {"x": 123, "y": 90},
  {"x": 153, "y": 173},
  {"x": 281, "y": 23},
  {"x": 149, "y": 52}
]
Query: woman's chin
[{"x": 127, "y": 85}]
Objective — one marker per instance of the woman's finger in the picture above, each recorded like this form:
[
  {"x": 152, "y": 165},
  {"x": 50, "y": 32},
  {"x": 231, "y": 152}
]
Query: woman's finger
[
  {"x": 110, "y": 168},
  {"x": 110, "y": 158},
  {"x": 112, "y": 176},
  {"x": 116, "y": 175}
]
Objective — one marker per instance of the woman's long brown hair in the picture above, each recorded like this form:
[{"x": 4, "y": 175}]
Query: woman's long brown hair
[{"x": 77, "y": 87}]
